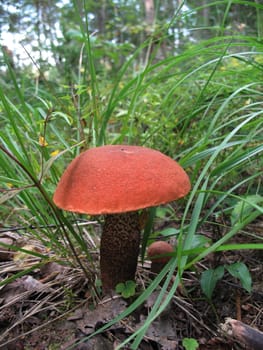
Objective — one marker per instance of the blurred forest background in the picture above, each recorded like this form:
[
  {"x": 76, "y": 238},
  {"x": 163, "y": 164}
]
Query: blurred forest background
[{"x": 44, "y": 36}]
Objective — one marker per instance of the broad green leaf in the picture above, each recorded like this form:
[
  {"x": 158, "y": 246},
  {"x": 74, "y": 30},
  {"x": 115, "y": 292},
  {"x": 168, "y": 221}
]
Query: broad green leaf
[
  {"x": 169, "y": 231},
  {"x": 240, "y": 271},
  {"x": 209, "y": 279},
  {"x": 200, "y": 241}
]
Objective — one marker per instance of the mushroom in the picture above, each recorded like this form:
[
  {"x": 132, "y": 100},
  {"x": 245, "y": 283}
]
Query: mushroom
[
  {"x": 117, "y": 181},
  {"x": 158, "y": 252}
]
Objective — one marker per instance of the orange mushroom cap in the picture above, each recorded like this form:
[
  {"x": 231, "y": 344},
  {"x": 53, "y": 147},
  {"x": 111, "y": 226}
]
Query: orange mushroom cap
[
  {"x": 119, "y": 178},
  {"x": 158, "y": 248}
]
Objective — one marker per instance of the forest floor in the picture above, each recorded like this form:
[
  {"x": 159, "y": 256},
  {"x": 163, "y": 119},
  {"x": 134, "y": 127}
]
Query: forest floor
[{"x": 53, "y": 307}]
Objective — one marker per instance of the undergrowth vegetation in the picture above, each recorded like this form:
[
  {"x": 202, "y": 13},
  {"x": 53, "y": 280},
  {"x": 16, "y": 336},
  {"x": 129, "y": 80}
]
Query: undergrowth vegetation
[{"x": 202, "y": 107}]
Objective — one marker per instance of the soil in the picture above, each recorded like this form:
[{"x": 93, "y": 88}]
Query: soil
[{"x": 53, "y": 305}]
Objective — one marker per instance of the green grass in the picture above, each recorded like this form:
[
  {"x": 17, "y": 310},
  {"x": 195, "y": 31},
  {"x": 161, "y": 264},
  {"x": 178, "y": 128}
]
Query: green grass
[{"x": 203, "y": 107}]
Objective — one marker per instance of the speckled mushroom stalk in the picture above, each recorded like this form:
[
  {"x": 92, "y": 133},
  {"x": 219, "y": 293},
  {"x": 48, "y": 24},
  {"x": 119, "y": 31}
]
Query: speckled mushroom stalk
[
  {"x": 119, "y": 249},
  {"x": 116, "y": 181}
]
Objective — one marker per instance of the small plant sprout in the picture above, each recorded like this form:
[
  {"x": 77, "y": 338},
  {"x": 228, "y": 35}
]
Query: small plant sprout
[
  {"x": 117, "y": 181},
  {"x": 238, "y": 270},
  {"x": 126, "y": 289},
  {"x": 190, "y": 344}
]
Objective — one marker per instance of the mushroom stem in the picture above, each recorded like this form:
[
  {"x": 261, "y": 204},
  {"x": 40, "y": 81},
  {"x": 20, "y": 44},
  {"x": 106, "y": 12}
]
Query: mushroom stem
[
  {"x": 157, "y": 267},
  {"x": 119, "y": 249}
]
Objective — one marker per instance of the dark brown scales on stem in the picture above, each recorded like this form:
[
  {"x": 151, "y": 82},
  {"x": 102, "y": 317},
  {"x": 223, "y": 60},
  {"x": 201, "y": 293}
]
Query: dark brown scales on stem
[{"x": 121, "y": 233}]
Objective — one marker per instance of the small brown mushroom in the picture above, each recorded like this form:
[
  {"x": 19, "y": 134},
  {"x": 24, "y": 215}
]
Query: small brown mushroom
[
  {"x": 158, "y": 252},
  {"x": 116, "y": 181}
]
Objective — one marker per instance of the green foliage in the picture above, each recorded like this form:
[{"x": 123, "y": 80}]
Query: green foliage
[
  {"x": 209, "y": 279},
  {"x": 169, "y": 231},
  {"x": 190, "y": 344},
  {"x": 126, "y": 289},
  {"x": 238, "y": 270},
  {"x": 245, "y": 206}
]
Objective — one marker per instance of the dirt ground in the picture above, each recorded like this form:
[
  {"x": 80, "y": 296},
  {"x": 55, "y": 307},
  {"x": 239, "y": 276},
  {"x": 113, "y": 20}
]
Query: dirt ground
[{"x": 54, "y": 306}]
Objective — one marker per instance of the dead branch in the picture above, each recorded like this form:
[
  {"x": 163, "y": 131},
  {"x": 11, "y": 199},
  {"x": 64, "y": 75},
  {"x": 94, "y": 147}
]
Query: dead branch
[{"x": 251, "y": 337}]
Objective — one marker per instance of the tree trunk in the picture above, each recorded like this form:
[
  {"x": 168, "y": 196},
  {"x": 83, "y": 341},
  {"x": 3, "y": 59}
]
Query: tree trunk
[{"x": 149, "y": 12}]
